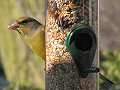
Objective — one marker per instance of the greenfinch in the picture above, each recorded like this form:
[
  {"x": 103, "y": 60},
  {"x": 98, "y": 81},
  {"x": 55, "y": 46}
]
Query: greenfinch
[{"x": 32, "y": 32}]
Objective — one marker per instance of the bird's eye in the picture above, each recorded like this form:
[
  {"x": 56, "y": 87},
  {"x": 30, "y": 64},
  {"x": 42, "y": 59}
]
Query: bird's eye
[{"x": 24, "y": 23}]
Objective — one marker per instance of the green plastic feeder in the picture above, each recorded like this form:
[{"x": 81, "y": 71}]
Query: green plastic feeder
[{"x": 81, "y": 43}]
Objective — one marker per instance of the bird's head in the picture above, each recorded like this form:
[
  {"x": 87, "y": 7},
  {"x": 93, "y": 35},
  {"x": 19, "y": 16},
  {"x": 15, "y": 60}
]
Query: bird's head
[
  {"x": 25, "y": 26},
  {"x": 32, "y": 32}
]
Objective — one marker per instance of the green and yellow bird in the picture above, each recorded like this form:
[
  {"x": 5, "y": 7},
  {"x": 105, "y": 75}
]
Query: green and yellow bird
[{"x": 32, "y": 32}]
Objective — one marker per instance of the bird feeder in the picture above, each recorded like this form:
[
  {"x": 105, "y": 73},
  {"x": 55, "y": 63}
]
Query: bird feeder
[
  {"x": 66, "y": 38},
  {"x": 81, "y": 43}
]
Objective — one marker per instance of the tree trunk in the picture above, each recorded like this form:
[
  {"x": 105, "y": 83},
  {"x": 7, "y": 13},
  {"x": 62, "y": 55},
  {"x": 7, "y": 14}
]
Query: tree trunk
[{"x": 61, "y": 70}]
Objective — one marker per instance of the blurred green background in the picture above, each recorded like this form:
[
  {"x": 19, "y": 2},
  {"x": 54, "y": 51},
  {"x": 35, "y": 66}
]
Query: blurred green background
[
  {"x": 23, "y": 69},
  {"x": 20, "y": 69},
  {"x": 109, "y": 40}
]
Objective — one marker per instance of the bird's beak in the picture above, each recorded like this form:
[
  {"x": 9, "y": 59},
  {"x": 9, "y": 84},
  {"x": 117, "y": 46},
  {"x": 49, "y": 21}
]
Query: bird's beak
[{"x": 14, "y": 26}]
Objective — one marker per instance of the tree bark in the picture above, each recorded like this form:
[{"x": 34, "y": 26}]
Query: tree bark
[{"x": 61, "y": 70}]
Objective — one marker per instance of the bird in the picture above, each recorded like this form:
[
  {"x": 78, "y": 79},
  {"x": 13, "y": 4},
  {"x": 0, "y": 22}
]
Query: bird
[{"x": 32, "y": 32}]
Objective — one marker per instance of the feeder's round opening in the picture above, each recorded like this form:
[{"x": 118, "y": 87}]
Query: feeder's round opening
[{"x": 83, "y": 41}]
